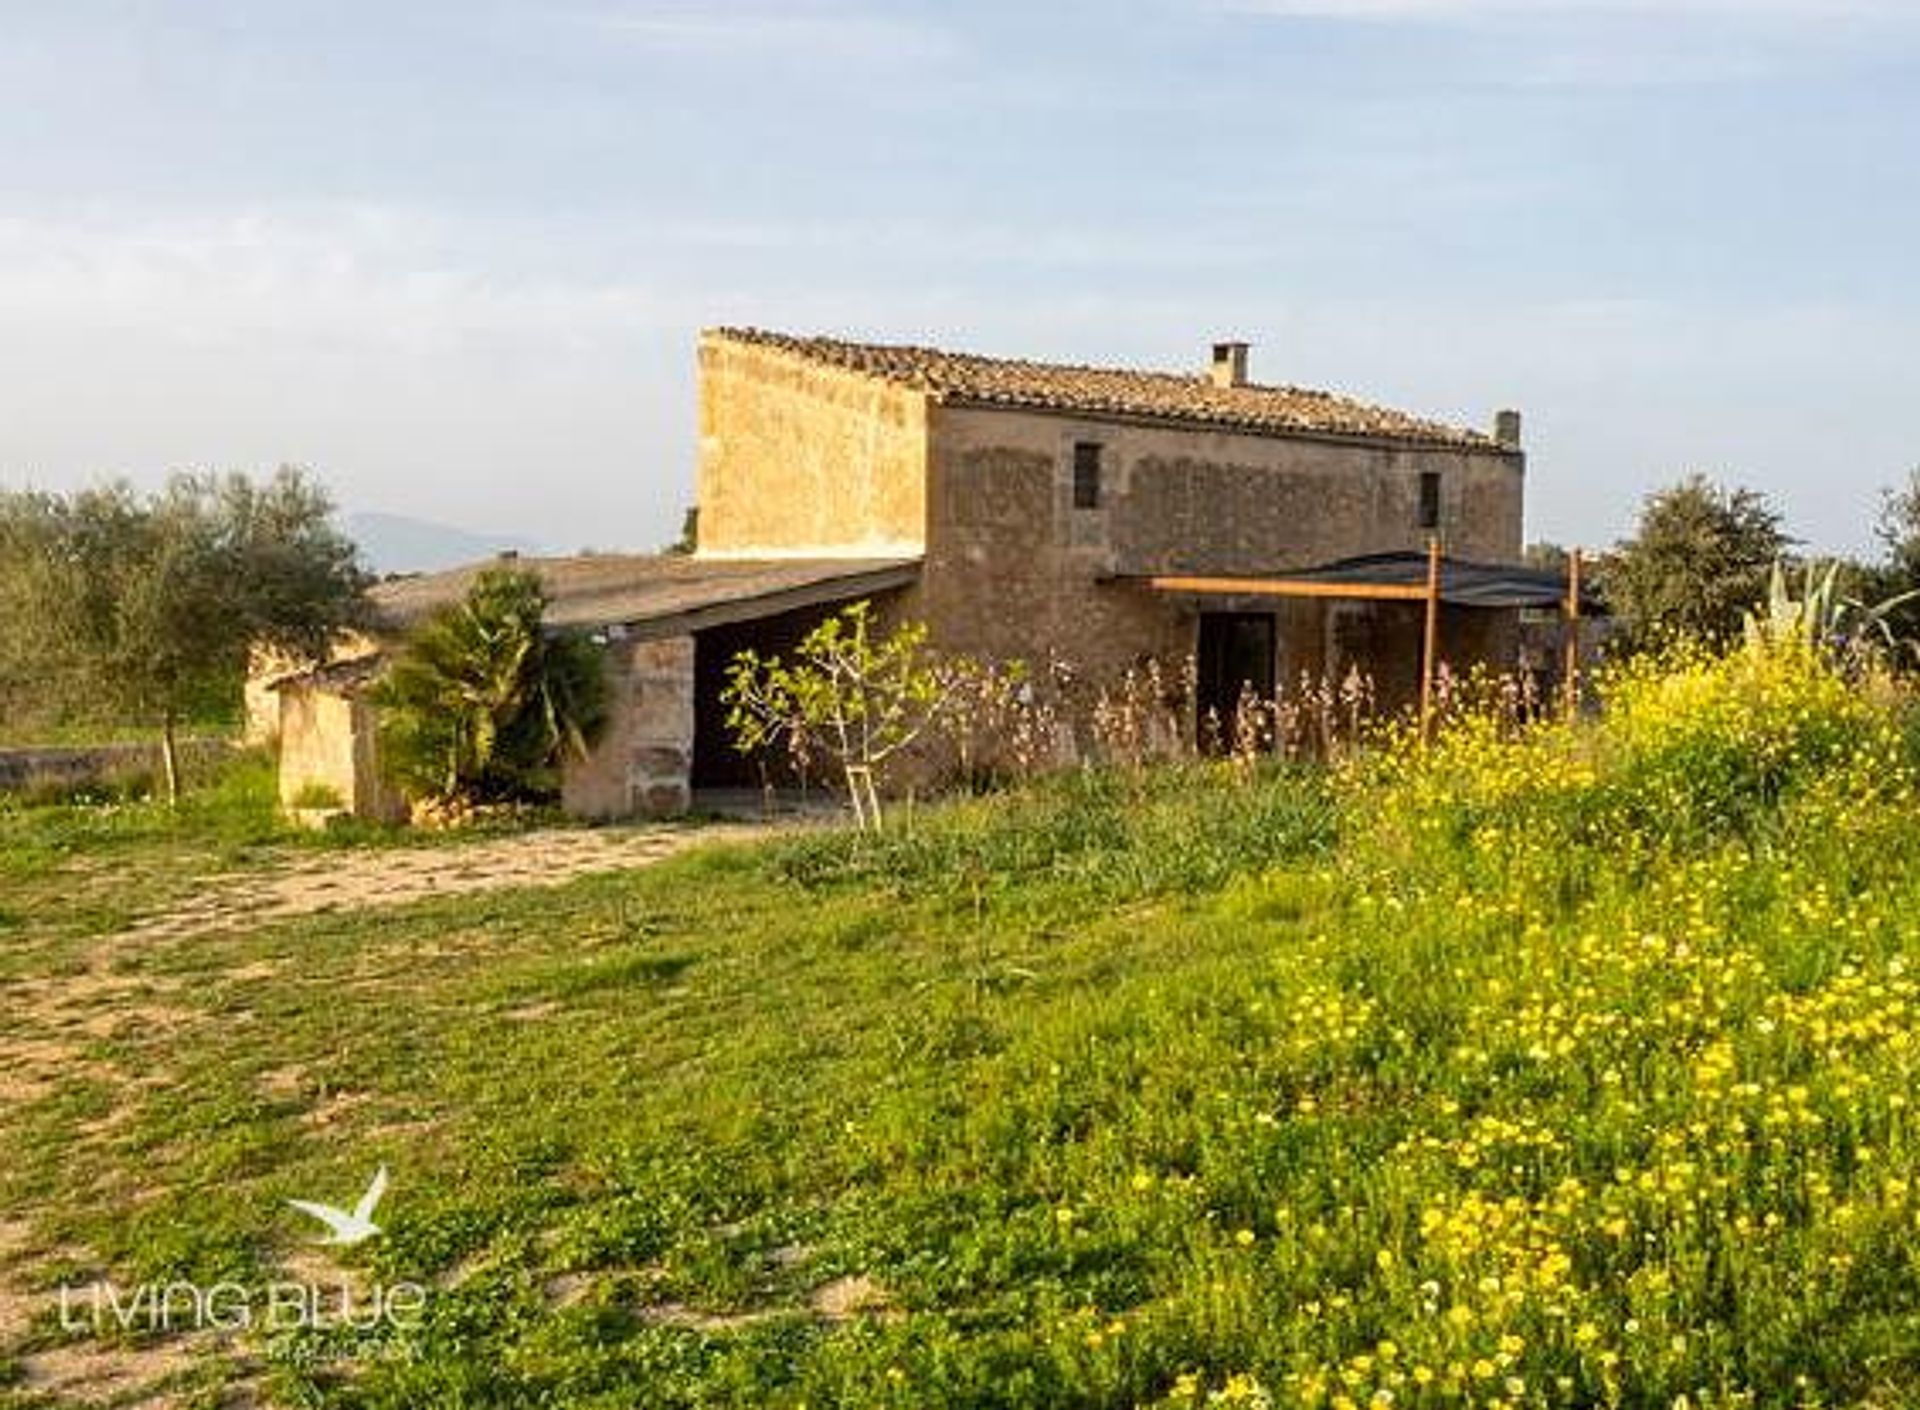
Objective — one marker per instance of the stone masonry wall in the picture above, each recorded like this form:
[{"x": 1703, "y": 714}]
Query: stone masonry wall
[
  {"x": 89, "y": 765},
  {"x": 1223, "y": 502},
  {"x": 329, "y": 741},
  {"x": 1013, "y": 568},
  {"x": 1004, "y": 577},
  {"x": 643, "y": 763},
  {"x": 796, "y": 458},
  {"x": 266, "y": 667}
]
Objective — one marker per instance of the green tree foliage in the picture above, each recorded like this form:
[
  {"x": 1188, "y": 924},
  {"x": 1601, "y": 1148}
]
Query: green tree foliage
[
  {"x": 1699, "y": 559},
  {"x": 689, "y": 540},
  {"x": 1898, "y": 572},
  {"x": 1898, "y": 528},
  {"x": 483, "y": 704},
  {"x": 129, "y": 609},
  {"x": 860, "y": 699}
]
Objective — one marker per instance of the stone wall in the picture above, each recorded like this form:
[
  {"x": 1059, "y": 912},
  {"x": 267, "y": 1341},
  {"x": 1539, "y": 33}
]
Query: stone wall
[
  {"x": 643, "y": 764},
  {"x": 267, "y": 666},
  {"x": 1192, "y": 500},
  {"x": 1006, "y": 576},
  {"x": 796, "y": 458},
  {"x": 1013, "y": 568},
  {"x": 260, "y": 700},
  {"x": 329, "y": 740},
  {"x": 1226, "y": 507},
  {"x": 87, "y": 765}
]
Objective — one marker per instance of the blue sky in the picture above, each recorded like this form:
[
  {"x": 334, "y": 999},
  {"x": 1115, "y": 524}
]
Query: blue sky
[{"x": 454, "y": 256}]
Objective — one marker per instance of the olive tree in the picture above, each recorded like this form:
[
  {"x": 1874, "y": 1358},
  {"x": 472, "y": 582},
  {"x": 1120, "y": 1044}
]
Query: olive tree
[
  {"x": 134, "y": 609},
  {"x": 1700, "y": 558},
  {"x": 1898, "y": 574}
]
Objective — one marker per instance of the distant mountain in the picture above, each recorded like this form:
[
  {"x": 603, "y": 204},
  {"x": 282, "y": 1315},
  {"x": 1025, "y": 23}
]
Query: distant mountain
[{"x": 395, "y": 543}]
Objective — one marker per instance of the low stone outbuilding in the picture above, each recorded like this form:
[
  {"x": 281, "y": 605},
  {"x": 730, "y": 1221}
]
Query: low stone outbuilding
[
  {"x": 329, "y": 748},
  {"x": 668, "y": 626}
]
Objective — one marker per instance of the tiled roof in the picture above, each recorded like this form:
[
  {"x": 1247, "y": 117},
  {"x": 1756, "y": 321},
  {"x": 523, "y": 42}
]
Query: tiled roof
[
  {"x": 967, "y": 379},
  {"x": 347, "y": 676}
]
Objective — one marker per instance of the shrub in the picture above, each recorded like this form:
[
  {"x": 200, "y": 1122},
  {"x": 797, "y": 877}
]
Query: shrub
[
  {"x": 1690, "y": 746},
  {"x": 316, "y": 795}
]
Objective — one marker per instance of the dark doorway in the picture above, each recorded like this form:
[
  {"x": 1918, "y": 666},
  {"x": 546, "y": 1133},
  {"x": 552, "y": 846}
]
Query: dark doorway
[
  {"x": 716, "y": 763},
  {"x": 1236, "y": 651}
]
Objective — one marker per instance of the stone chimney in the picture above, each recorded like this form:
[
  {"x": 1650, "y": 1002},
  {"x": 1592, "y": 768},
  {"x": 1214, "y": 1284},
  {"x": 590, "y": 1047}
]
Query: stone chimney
[
  {"x": 1229, "y": 364},
  {"x": 1506, "y": 427}
]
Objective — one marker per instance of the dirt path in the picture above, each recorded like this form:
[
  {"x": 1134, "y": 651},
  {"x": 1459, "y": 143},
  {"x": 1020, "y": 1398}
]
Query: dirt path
[
  {"x": 363, "y": 879},
  {"x": 50, "y": 1023},
  {"x": 51, "y": 1027}
]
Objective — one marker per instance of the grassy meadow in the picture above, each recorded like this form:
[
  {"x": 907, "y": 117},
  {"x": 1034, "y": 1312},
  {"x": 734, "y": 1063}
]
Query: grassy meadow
[{"x": 1560, "y": 1071}]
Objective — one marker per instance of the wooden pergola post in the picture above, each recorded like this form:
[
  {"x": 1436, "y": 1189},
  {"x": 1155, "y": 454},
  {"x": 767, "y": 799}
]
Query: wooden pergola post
[
  {"x": 1571, "y": 628},
  {"x": 1430, "y": 641}
]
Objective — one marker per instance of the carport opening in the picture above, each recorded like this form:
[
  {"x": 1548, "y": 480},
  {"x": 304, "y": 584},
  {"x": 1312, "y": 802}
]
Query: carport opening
[{"x": 716, "y": 763}]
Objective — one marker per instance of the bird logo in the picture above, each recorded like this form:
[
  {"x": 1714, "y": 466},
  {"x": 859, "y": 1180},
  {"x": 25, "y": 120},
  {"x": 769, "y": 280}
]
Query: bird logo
[{"x": 348, "y": 1227}]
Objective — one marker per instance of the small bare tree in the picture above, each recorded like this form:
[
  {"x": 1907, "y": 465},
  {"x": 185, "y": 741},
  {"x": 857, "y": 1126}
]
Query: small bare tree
[{"x": 860, "y": 699}]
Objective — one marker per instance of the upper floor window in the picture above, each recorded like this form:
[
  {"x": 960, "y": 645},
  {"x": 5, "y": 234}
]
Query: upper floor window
[
  {"x": 1429, "y": 499},
  {"x": 1086, "y": 474}
]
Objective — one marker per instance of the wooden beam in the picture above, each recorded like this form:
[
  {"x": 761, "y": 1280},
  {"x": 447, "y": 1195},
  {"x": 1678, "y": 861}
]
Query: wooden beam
[
  {"x": 1571, "y": 627},
  {"x": 1285, "y": 587},
  {"x": 1430, "y": 638}
]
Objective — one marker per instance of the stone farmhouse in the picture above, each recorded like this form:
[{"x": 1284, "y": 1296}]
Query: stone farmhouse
[{"x": 1021, "y": 510}]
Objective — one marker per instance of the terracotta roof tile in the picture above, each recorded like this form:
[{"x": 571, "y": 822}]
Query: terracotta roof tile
[{"x": 967, "y": 379}]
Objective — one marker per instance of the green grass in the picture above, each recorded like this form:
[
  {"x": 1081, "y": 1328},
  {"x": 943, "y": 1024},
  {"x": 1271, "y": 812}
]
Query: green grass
[
  {"x": 19, "y": 733},
  {"x": 87, "y": 864},
  {"x": 1122, "y": 1090},
  {"x": 82, "y": 868}
]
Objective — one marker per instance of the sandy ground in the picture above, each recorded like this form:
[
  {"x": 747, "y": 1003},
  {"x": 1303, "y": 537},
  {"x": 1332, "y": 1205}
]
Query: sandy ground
[{"x": 361, "y": 880}]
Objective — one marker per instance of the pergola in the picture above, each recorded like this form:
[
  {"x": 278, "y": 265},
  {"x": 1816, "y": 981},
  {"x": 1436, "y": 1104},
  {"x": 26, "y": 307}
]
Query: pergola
[{"x": 1431, "y": 579}]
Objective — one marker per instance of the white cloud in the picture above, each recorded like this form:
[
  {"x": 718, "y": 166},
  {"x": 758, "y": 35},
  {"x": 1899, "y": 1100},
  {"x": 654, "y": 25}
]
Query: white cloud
[
  {"x": 368, "y": 274},
  {"x": 1619, "y": 44}
]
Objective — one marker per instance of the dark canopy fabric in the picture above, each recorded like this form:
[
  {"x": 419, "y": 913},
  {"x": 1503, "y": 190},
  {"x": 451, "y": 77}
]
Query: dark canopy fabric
[{"x": 1462, "y": 584}]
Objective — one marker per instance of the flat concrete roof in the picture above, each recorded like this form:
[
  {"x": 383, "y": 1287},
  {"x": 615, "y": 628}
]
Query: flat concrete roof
[{"x": 655, "y": 594}]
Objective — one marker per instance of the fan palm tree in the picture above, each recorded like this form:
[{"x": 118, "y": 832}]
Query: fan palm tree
[{"x": 483, "y": 704}]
